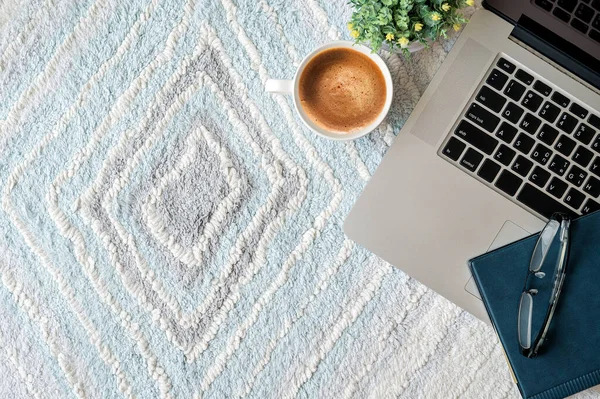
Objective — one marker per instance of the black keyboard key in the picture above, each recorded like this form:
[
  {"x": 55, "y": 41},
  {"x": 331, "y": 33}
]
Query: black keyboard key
[
  {"x": 568, "y": 5},
  {"x": 524, "y": 77},
  {"x": 576, "y": 176},
  {"x": 514, "y": 90},
  {"x": 541, "y": 154},
  {"x": 578, "y": 110},
  {"x": 542, "y": 88},
  {"x": 547, "y": 134},
  {"x": 512, "y": 112},
  {"x": 594, "y": 34},
  {"x": 584, "y": 133},
  {"x": 471, "y": 160},
  {"x": 541, "y": 202},
  {"x": 560, "y": 99},
  {"x": 539, "y": 176},
  {"x": 532, "y": 101},
  {"x": 504, "y": 155},
  {"x": 559, "y": 165},
  {"x": 590, "y": 206},
  {"x": 561, "y": 14},
  {"x": 596, "y": 4},
  {"x": 584, "y": 13},
  {"x": 545, "y": 4},
  {"x": 489, "y": 170},
  {"x": 506, "y": 65},
  {"x": 482, "y": 117},
  {"x": 565, "y": 145},
  {"x": 524, "y": 143},
  {"x": 566, "y": 122},
  {"x": 582, "y": 156},
  {"x": 508, "y": 182},
  {"x": 549, "y": 112},
  {"x": 592, "y": 187},
  {"x": 596, "y": 144},
  {"x": 530, "y": 123},
  {"x": 476, "y": 137},
  {"x": 596, "y": 23},
  {"x": 594, "y": 121},
  {"x": 574, "y": 198},
  {"x": 491, "y": 99},
  {"x": 522, "y": 165},
  {"x": 506, "y": 132},
  {"x": 497, "y": 79},
  {"x": 557, "y": 187},
  {"x": 580, "y": 26},
  {"x": 595, "y": 168},
  {"x": 454, "y": 148}
]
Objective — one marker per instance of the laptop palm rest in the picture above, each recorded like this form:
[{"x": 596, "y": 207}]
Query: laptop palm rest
[{"x": 463, "y": 75}]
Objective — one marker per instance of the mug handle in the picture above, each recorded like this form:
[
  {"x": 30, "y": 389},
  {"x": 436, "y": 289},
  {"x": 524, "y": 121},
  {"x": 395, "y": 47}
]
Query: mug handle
[{"x": 279, "y": 86}]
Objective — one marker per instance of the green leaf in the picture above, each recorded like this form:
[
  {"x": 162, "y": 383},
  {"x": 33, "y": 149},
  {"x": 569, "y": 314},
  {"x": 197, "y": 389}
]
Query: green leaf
[
  {"x": 384, "y": 16},
  {"x": 389, "y": 29}
]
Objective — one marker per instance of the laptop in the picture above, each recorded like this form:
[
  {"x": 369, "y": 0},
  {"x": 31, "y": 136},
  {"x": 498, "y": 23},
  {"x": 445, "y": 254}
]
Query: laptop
[{"x": 507, "y": 133}]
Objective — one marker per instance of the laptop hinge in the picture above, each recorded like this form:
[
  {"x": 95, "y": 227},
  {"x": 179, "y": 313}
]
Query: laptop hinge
[{"x": 562, "y": 54}]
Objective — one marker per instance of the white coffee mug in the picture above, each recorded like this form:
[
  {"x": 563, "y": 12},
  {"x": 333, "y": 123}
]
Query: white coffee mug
[{"x": 292, "y": 87}]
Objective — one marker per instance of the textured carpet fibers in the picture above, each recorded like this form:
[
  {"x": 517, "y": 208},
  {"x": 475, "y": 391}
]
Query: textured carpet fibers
[{"x": 168, "y": 229}]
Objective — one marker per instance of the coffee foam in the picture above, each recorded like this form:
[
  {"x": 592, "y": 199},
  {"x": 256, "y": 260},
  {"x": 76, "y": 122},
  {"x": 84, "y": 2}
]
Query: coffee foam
[{"x": 342, "y": 90}]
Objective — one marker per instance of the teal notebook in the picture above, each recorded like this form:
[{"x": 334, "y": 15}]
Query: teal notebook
[{"x": 570, "y": 361}]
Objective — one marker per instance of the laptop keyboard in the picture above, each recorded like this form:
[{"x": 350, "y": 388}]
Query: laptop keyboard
[
  {"x": 583, "y": 15},
  {"x": 530, "y": 142}
]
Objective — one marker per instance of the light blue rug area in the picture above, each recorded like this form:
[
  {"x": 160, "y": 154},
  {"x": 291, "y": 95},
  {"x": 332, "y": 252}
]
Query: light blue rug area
[{"x": 168, "y": 229}]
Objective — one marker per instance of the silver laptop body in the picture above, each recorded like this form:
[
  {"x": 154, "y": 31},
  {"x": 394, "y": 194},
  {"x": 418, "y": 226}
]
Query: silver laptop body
[{"x": 427, "y": 213}]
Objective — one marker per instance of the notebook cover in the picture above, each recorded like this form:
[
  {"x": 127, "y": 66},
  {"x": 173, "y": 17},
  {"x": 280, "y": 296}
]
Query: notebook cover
[{"x": 570, "y": 361}]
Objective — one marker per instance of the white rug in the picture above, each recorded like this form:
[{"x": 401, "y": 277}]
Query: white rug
[{"x": 168, "y": 229}]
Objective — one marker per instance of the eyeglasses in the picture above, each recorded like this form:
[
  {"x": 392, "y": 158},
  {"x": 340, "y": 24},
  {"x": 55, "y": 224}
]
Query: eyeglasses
[{"x": 543, "y": 284}]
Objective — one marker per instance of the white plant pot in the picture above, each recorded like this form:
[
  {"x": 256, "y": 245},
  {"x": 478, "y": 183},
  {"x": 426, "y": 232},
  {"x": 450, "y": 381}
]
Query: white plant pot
[{"x": 412, "y": 47}]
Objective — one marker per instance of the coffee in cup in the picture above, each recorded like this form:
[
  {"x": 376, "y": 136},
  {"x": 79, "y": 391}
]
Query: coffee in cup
[{"x": 342, "y": 90}]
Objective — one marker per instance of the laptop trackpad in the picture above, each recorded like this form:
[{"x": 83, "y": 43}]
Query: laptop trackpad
[{"x": 509, "y": 232}]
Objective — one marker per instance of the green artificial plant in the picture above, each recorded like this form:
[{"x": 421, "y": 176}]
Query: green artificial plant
[{"x": 401, "y": 22}]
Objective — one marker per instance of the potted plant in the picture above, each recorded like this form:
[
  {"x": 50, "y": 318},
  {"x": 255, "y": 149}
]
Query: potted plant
[{"x": 405, "y": 25}]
